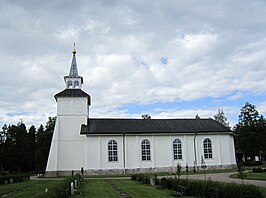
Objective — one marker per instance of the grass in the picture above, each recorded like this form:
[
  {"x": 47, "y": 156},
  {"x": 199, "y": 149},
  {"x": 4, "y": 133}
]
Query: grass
[
  {"x": 102, "y": 188},
  {"x": 97, "y": 188},
  {"x": 25, "y": 189},
  {"x": 135, "y": 189},
  {"x": 263, "y": 191},
  {"x": 251, "y": 175}
]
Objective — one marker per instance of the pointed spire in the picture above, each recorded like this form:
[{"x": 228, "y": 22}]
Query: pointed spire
[
  {"x": 73, "y": 80},
  {"x": 73, "y": 69}
]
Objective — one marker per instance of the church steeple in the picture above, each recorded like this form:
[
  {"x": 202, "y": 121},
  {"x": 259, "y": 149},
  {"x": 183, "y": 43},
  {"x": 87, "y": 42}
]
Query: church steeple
[
  {"x": 73, "y": 80},
  {"x": 73, "y": 69}
]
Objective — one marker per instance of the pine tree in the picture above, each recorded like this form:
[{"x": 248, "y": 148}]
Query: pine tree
[{"x": 32, "y": 147}]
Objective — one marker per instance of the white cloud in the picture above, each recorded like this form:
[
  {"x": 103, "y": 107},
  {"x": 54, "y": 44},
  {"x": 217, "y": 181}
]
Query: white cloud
[
  {"x": 262, "y": 108},
  {"x": 213, "y": 50},
  {"x": 200, "y": 43}
]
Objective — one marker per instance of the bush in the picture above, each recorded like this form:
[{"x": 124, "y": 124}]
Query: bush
[
  {"x": 226, "y": 190},
  {"x": 164, "y": 183},
  {"x": 16, "y": 178},
  {"x": 202, "y": 188},
  {"x": 257, "y": 170},
  {"x": 134, "y": 177},
  {"x": 2, "y": 180},
  {"x": 236, "y": 191},
  {"x": 143, "y": 178}
]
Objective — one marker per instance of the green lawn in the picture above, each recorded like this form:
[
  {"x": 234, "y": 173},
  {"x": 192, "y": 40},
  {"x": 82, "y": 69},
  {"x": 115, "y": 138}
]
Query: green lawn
[
  {"x": 91, "y": 188},
  {"x": 97, "y": 188},
  {"x": 110, "y": 188},
  {"x": 251, "y": 175},
  {"x": 135, "y": 189},
  {"x": 263, "y": 191},
  {"x": 24, "y": 189}
]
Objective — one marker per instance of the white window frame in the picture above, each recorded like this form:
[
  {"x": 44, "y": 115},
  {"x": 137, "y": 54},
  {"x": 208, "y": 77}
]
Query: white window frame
[
  {"x": 112, "y": 148},
  {"x": 177, "y": 149},
  {"x": 145, "y": 150},
  {"x": 207, "y": 148}
]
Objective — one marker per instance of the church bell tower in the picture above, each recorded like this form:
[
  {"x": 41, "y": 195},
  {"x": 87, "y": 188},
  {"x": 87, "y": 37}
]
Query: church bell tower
[{"x": 67, "y": 151}]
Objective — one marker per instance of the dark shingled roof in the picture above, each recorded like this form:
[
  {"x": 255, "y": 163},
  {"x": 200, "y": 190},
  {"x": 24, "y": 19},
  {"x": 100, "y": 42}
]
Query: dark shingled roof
[
  {"x": 73, "y": 93},
  {"x": 145, "y": 126}
]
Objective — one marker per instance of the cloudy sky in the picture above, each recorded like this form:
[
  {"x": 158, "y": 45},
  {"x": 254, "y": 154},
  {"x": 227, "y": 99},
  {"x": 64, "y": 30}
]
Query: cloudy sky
[{"x": 169, "y": 59}]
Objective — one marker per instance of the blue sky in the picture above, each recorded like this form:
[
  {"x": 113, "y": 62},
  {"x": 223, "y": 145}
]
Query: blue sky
[{"x": 170, "y": 59}]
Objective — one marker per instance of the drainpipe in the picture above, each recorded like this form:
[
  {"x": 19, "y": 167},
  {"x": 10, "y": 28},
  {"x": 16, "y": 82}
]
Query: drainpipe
[
  {"x": 195, "y": 152},
  {"x": 124, "y": 154}
]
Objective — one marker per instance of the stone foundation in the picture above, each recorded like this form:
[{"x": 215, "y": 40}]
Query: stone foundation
[
  {"x": 130, "y": 171},
  {"x": 60, "y": 173}
]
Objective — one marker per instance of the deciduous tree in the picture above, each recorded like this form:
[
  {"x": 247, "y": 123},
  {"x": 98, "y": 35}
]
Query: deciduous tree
[{"x": 221, "y": 118}]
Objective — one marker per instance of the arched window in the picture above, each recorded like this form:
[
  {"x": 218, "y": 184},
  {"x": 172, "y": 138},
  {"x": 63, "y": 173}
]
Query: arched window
[
  {"x": 112, "y": 151},
  {"x": 146, "y": 150},
  {"x": 69, "y": 84},
  {"x": 207, "y": 148},
  {"x": 76, "y": 84},
  {"x": 177, "y": 149}
]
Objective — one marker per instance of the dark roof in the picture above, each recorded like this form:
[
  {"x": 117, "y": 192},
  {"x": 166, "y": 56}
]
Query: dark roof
[
  {"x": 144, "y": 126},
  {"x": 73, "y": 93}
]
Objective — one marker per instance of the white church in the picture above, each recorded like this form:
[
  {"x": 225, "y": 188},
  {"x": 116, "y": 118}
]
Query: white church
[{"x": 112, "y": 146}]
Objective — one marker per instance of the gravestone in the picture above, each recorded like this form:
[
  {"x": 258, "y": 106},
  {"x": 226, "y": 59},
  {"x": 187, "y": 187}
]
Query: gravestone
[
  {"x": 72, "y": 188},
  {"x": 152, "y": 181}
]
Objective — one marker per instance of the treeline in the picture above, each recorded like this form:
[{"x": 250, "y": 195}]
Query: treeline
[{"x": 23, "y": 150}]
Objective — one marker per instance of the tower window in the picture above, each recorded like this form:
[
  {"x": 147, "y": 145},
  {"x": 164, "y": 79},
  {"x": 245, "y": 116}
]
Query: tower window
[
  {"x": 76, "y": 84},
  {"x": 69, "y": 84}
]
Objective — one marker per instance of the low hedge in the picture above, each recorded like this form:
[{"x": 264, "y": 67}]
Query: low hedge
[
  {"x": 143, "y": 178},
  {"x": 59, "y": 190},
  {"x": 16, "y": 178},
  {"x": 202, "y": 188},
  {"x": 225, "y": 190},
  {"x": 258, "y": 170}
]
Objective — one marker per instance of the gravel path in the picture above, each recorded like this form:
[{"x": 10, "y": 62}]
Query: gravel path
[{"x": 225, "y": 177}]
